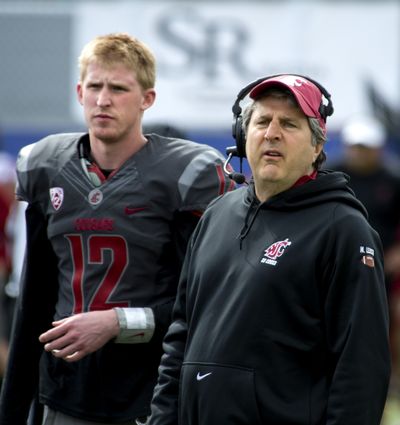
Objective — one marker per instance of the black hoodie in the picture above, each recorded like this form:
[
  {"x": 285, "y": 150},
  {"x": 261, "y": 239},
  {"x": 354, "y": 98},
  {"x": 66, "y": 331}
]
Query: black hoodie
[{"x": 281, "y": 315}]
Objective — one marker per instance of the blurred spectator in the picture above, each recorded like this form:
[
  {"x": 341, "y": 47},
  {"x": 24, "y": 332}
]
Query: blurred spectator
[
  {"x": 378, "y": 187},
  {"x": 7, "y": 186},
  {"x": 15, "y": 231}
]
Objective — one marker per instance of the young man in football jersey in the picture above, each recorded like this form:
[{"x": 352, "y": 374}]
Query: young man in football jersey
[
  {"x": 108, "y": 220},
  {"x": 281, "y": 314}
]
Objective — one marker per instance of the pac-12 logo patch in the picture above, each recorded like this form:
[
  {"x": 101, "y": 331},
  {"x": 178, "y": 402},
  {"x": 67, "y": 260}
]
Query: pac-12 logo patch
[
  {"x": 274, "y": 251},
  {"x": 56, "y": 197}
]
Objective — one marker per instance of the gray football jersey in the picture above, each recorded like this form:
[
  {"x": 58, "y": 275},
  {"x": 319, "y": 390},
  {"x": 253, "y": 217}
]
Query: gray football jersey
[
  {"x": 114, "y": 242},
  {"x": 117, "y": 244}
]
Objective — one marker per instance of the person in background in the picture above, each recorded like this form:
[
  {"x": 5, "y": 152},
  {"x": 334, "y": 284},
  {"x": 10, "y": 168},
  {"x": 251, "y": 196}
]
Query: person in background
[
  {"x": 7, "y": 198},
  {"x": 108, "y": 219},
  {"x": 377, "y": 185},
  {"x": 16, "y": 234},
  {"x": 281, "y": 315}
]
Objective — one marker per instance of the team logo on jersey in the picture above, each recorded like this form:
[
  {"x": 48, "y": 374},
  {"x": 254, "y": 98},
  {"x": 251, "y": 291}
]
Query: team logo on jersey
[
  {"x": 95, "y": 197},
  {"x": 56, "y": 197},
  {"x": 274, "y": 251},
  {"x": 367, "y": 256}
]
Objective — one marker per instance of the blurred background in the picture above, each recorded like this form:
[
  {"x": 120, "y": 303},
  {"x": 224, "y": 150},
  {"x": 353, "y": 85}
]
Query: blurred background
[{"x": 207, "y": 51}]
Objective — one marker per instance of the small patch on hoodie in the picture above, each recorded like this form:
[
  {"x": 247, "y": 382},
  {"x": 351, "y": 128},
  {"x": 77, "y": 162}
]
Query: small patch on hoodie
[{"x": 368, "y": 256}]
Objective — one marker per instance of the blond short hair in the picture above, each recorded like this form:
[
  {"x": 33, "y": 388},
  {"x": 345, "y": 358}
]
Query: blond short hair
[{"x": 120, "y": 48}]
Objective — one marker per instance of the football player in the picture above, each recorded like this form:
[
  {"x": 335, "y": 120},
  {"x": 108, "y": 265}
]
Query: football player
[{"x": 109, "y": 216}]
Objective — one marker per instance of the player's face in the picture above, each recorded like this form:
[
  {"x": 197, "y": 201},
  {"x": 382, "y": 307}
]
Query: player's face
[
  {"x": 113, "y": 102},
  {"x": 278, "y": 146}
]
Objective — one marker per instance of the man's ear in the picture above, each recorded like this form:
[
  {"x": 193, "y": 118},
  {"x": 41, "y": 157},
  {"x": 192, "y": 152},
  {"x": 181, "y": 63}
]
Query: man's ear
[
  {"x": 149, "y": 96},
  {"x": 317, "y": 150},
  {"x": 79, "y": 93}
]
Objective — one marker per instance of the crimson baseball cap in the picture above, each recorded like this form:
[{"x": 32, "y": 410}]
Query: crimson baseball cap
[{"x": 307, "y": 94}]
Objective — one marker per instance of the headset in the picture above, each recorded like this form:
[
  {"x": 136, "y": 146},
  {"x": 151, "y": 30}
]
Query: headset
[{"x": 325, "y": 110}]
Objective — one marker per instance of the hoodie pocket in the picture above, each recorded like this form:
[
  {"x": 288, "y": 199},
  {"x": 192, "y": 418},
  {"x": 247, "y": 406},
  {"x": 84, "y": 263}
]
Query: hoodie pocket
[{"x": 217, "y": 394}]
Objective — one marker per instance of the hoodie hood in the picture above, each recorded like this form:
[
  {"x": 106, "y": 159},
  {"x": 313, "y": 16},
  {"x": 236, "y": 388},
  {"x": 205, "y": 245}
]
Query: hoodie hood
[{"x": 328, "y": 186}]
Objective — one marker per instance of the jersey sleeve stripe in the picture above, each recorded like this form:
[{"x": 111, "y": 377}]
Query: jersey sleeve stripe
[{"x": 193, "y": 170}]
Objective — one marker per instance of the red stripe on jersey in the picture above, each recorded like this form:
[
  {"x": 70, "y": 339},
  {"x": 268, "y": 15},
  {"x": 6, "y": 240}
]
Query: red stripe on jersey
[
  {"x": 77, "y": 258},
  {"x": 93, "y": 168},
  {"x": 221, "y": 178},
  {"x": 231, "y": 185}
]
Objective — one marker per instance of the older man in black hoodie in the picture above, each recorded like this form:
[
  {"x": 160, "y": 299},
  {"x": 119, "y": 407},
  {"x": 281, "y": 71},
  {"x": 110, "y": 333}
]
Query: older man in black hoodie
[{"x": 281, "y": 316}]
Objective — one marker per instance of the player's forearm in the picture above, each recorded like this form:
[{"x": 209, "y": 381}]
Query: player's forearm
[{"x": 136, "y": 325}]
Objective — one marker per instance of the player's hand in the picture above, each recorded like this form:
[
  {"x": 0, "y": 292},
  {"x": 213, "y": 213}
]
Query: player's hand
[{"x": 74, "y": 337}]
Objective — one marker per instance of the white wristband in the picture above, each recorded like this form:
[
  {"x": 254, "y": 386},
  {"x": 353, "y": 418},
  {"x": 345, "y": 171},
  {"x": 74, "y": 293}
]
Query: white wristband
[{"x": 136, "y": 325}]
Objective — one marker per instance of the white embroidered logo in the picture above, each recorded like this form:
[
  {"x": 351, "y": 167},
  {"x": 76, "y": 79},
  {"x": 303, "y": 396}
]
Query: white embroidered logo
[
  {"x": 56, "y": 197},
  {"x": 200, "y": 377},
  {"x": 274, "y": 251},
  {"x": 293, "y": 80}
]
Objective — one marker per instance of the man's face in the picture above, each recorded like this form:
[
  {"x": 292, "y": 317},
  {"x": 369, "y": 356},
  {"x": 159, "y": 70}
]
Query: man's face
[
  {"x": 278, "y": 145},
  {"x": 113, "y": 102}
]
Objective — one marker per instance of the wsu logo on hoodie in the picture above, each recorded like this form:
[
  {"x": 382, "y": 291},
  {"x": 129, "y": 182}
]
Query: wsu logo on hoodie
[{"x": 274, "y": 251}]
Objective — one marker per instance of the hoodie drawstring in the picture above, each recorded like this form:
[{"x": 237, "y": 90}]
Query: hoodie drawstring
[{"x": 248, "y": 221}]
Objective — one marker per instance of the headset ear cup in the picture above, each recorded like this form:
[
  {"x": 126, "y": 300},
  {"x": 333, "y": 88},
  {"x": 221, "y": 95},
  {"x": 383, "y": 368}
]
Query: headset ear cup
[
  {"x": 323, "y": 110},
  {"x": 329, "y": 108},
  {"x": 240, "y": 138},
  {"x": 326, "y": 110}
]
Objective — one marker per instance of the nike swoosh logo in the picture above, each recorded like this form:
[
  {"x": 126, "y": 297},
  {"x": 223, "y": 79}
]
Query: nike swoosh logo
[
  {"x": 200, "y": 377},
  {"x": 133, "y": 210}
]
